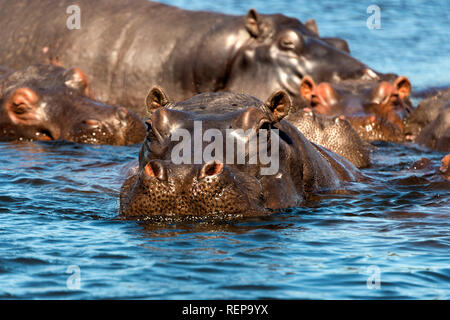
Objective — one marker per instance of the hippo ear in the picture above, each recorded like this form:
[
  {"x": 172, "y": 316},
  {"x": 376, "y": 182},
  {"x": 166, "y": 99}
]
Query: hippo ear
[
  {"x": 312, "y": 26},
  {"x": 403, "y": 87},
  {"x": 155, "y": 99},
  {"x": 252, "y": 23},
  {"x": 76, "y": 79},
  {"x": 341, "y": 44},
  {"x": 307, "y": 87},
  {"x": 279, "y": 104},
  {"x": 22, "y": 107}
]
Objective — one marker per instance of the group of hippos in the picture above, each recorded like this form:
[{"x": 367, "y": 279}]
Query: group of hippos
[{"x": 137, "y": 70}]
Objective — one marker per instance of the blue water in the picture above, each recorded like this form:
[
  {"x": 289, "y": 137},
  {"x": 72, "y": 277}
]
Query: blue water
[{"x": 59, "y": 204}]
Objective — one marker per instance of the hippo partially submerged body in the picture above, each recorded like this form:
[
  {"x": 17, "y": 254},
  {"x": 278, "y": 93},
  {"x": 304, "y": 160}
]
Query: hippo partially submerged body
[
  {"x": 426, "y": 168},
  {"x": 376, "y": 109},
  {"x": 333, "y": 133},
  {"x": 222, "y": 185},
  {"x": 127, "y": 45},
  {"x": 46, "y": 102},
  {"x": 429, "y": 123}
]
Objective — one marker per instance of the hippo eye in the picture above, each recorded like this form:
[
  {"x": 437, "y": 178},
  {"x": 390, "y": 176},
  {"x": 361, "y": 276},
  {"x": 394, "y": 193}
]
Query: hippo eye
[
  {"x": 148, "y": 124},
  {"x": 265, "y": 126}
]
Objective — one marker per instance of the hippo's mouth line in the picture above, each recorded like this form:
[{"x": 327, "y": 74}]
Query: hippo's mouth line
[{"x": 44, "y": 135}]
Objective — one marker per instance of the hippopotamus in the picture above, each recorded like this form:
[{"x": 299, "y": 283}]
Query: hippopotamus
[
  {"x": 336, "y": 42},
  {"x": 426, "y": 167},
  {"x": 436, "y": 135},
  {"x": 376, "y": 109},
  {"x": 47, "y": 102},
  {"x": 333, "y": 133},
  {"x": 128, "y": 45},
  {"x": 162, "y": 185},
  {"x": 429, "y": 123}
]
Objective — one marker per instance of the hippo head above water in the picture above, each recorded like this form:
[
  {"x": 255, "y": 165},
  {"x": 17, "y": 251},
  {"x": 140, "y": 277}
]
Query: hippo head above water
[
  {"x": 46, "y": 102},
  {"x": 272, "y": 52},
  {"x": 231, "y": 180},
  {"x": 376, "y": 110}
]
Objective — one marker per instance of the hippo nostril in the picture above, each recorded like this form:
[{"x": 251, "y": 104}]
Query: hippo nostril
[
  {"x": 211, "y": 168},
  {"x": 92, "y": 123},
  {"x": 339, "y": 119},
  {"x": 156, "y": 169}
]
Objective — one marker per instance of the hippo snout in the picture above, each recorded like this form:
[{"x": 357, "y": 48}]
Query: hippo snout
[
  {"x": 118, "y": 127},
  {"x": 208, "y": 189}
]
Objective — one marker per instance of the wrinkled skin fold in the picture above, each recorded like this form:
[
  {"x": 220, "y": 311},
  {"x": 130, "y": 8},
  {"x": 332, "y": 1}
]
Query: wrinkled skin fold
[{"x": 46, "y": 102}]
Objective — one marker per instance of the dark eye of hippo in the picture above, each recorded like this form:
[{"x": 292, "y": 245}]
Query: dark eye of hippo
[{"x": 265, "y": 125}]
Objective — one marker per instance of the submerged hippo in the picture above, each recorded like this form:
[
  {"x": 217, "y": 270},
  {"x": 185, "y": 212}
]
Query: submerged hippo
[
  {"x": 375, "y": 109},
  {"x": 127, "y": 45},
  {"x": 46, "y": 102},
  {"x": 429, "y": 123},
  {"x": 436, "y": 135},
  {"x": 336, "y": 42},
  {"x": 161, "y": 185},
  {"x": 428, "y": 169},
  {"x": 333, "y": 133}
]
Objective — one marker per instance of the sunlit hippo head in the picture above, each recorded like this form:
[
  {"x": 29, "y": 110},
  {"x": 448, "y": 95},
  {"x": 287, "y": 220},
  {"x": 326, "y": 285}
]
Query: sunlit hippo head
[
  {"x": 165, "y": 185},
  {"x": 226, "y": 154},
  {"x": 280, "y": 51},
  {"x": 47, "y": 102},
  {"x": 376, "y": 109}
]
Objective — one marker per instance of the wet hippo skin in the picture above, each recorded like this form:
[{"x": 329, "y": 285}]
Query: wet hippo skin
[
  {"x": 214, "y": 188},
  {"x": 333, "y": 133},
  {"x": 376, "y": 109},
  {"x": 426, "y": 167},
  {"x": 429, "y": 123},
  {"x": 128, "y": 45},
  {"x": 46, "y": 102}
]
